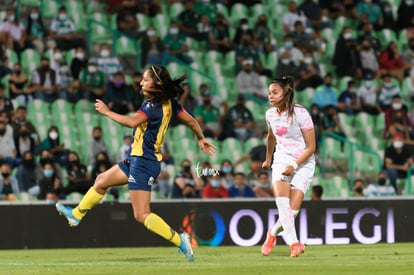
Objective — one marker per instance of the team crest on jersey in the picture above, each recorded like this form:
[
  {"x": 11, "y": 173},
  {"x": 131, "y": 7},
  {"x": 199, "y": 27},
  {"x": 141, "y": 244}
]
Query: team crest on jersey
[{"x": 151, "y": 181}]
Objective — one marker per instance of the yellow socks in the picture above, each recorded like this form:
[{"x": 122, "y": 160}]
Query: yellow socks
[
  {"x": 157, "y": 225},
  {"x": 88, "y": 201}
]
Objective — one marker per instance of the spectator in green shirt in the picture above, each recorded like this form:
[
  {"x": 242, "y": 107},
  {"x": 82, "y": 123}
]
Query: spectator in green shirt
[
  {"x": 219, "y": 38},
  {"x": 91, "y": 82},
  {"x": 208, "y": 116},
  {"x": 176, "y": 43},
  {"x": 189, "y": 19}
]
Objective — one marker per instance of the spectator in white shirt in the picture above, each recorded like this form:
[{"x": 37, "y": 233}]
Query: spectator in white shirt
[
  {"x": 381, "y": 188},
  {"x": 295, "y": 54},
  {"x": 13, "y": 34},
  {"x": 63, "y": 31},
  {"x": 248, "y": 81},
  {"x": 107, "y": 62},
  {"x": 291, "y": 16}
]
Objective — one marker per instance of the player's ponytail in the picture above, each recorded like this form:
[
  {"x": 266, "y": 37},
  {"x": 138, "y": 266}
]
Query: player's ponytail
[{"x": 166, "y": 87}]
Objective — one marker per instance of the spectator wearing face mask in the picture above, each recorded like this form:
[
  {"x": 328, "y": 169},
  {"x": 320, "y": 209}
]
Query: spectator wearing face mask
[
  {"x": 219, "y": 37},
  {"x": 9, "y": 187},
  {"x": 358, "y": 188},
  {"x": 367, "y": 94},
  {"x": 44, "y": 82},
  {"x": 26, "y": 173},
  {"x": 396, "y": 106},
  {"x": 380, "y": 188},
  {"x": 249, "y": 83},
  {"x": 96, "y": 145},
  {"x": 78, "y": 63},
  {"x": 53, "y": 144},
  {"x": 405, "y": 14},
  {"x": 176, "y": 44},
  {"x": 348, "y": 101},
  {"x": 186, "y": 183},
  {"x": 24, "y": 142},
  {"x": 387, "y": 91},
  {"x": 91, "y": 82},
  {"x": 117, "y": 95},
  {"x": 285, "y": 66},
  {"x": 346, "y": 57},
  {"x": 63, "y": 31},
  {"x": 325, "y": 95},
  {"x": 242, "y": 29},
  {"x": 309, "y": 73},
  {"x": 294, "y": 53},
  {"x": 214, "y": 188},
  {"x": 107, "y": 62},
  {"x": 397, "y": 160},
  {"x": 49, "y": 183},
  {"x": 152, "y": 48}
]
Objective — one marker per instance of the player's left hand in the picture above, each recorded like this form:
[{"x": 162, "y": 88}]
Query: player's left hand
[
  {"x": 207, "y": 147},
  {"x": 101, "y": 107}
]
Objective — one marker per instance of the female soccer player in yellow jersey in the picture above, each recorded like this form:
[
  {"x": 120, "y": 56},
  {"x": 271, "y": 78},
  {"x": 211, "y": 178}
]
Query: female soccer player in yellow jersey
[{"x": 142, "y": 167}]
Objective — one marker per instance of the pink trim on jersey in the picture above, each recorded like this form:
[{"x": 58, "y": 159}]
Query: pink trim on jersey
[{"x": 180, "y": 112}]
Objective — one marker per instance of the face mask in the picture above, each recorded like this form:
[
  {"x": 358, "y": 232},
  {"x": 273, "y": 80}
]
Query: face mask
[
  {"x": 92, "y": 69},
  {"x": 18, "y": 72},
  {"x": 307, "y": 60},
  {"x": 24, "y": 133},
  {"x": 28, "y": 162},
  {"x": 62, "y": 16},
  {"x": 288, "y": 44},
  {"x": 105, "y": 53},
  {"x": 10, "y": 18},
  {"x": 5, "y": 175},
  {"x": 118, "y": 83},
  {"x": 227, "y": 169},
  {"x": 48, "y": 173},
  {"x": 388, "y": 85},
  {"x": 347, "y": 35},
  {"x": 398, "y": 144},
  {"x": 382, "y": 181},
  {"x": 45, "y": 67},
  {"x": 53, "y": 135},
  {"x": 80, "y": 55},
  {"x": 173, "y": 31},
  {"x": 244, "y": 27},
  {"x": 353, "y": 90},
  {"x": 34, "y": 16},
  {"x": 387, "y": 9},
  {"x": 397, "y": 106},
  {"x": 206, "y": 102},
  {"x": 64, "y": 69},
  {"x": 409, "y": 2},
  {"x": 97, "y": 138},
  {"x": 369, "y": 83},
  {"x": 215, "y": 183},
  {"x": 285, "y": 61},
  {"x": 368, "y": 1},
  {"x": 187, "y": 168},
  {"x": 151, "y": 33},
  {"x": 358, "y": 190},
  {"x": 2, "y": 132}
]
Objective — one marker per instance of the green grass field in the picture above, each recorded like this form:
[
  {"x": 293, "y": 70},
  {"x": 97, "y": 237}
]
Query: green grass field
[{"x": 326, "y": 259}]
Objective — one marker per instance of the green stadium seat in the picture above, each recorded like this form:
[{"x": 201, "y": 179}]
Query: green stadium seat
[
  {"x": 251, "y": 143},
  {"x": 386, "y": 36},
  {"x": 30, "y": 60},
  {"x": 237, "y": 12},
  {"x": 126, "y": 46},
  {"x": 38, "y": 112},
  {"x": 30, "y": 3},
  {"x": 143, "y": 20},
  {"x": 162, "y": 23},
  {"x": 49, "y": 9},
  {"x": 175, "y": 9},
  {"x": 367, "y": 163},
  {"x": 12, "y": 56},
  {"x": 77, "y": 12}
]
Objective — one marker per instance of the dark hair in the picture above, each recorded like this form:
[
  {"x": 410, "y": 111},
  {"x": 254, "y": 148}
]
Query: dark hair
[
  {"x": 30, "y": 23},
  {"x": 318, "y": 190},
  {"x": 240, "y": 174},
  {"x": 169, "y": 88},
  {"x": 263, "y": 173},
  {"x": 287, "y": 83}
]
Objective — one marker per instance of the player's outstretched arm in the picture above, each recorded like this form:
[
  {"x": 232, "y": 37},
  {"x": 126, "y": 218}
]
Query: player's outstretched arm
[
  {"x": 128, "y": 121},
  {"x": 192, "y": 123}
]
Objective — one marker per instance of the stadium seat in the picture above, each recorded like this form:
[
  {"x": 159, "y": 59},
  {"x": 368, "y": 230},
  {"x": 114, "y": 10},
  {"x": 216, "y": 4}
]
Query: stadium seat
[
  {"x": 77, "y": 12},
  {"x": 38, "y": 112},
  {"x": 175, "y": 9},
  {"x": 126, "y": 46},
  {"x": 238, "y": 11},
  {"x": 30, "y": 3},
  {"x": 367, "y": 163},
  {"x": 162, "y": 23},
  {"x": 251, "y": 143},
  {"x": 49, "y": 9},
  {"x": 30, "y": 60},
  {"x": 143, "y": 20}
]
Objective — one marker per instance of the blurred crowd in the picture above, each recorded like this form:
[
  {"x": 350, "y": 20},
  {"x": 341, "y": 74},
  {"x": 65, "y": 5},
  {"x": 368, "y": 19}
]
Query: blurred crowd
[{"x": 349, "y": 57}]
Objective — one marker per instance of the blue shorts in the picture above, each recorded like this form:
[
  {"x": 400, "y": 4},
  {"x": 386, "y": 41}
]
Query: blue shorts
[{"x": 141, "y": 172}]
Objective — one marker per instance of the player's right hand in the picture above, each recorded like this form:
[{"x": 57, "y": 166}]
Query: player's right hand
[
  {"x": 207, "y": 147},
  {"x": 266, "y": 164}
]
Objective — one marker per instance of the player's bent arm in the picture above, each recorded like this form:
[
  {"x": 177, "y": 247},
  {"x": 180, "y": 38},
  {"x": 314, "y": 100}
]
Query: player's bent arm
[
  {"x": 129, "y": 121},
  {"x": 310, "y": 146},
  {"x": 191, "y": 122}
]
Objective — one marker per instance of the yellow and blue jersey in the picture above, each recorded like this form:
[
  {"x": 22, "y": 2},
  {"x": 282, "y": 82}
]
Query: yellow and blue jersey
[{"x": 148, "y": 137}]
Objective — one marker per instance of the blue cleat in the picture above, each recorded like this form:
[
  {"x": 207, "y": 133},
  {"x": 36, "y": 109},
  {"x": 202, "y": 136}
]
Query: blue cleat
[
  {"x": 185, "y": 247},
  {"x": 67, "y": 212}
]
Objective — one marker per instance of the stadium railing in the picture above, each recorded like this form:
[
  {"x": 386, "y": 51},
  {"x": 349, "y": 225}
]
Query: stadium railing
[{"x": 346, "y": 154}]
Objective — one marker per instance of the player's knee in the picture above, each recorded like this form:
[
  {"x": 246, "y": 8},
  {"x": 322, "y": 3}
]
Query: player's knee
[{"x": 140, "y": 216}]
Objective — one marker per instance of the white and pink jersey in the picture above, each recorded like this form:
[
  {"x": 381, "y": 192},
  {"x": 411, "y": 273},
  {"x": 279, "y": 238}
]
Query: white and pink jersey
[{"x": 288, "y": 133}]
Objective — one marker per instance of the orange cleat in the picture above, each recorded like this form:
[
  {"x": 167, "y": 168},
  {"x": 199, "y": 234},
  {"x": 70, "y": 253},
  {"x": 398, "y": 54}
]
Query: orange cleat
[
  {"x": 268, "y": 244},
  {"x": 296, "y": 249}
]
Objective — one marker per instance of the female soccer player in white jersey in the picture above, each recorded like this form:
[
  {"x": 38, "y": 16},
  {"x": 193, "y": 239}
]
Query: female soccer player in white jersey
[{"x": 290, "y": 129}]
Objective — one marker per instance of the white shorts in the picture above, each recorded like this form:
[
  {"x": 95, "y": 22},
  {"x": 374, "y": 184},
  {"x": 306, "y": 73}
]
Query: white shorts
[{"x": 300, "y": 180}]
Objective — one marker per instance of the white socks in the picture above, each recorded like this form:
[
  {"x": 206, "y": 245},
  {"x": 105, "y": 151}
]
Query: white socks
[
  {"x": 277, "y": 227},
  {"x": 286, "y": 220}
]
